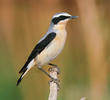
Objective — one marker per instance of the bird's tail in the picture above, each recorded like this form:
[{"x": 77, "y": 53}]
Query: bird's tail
[
  {"x": 21, "y": 77},
  {"x": 30, "y": 65},
  {"x": 19, "y": 80}
]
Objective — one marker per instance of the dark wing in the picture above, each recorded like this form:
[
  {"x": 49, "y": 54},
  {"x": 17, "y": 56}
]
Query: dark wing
[{"x": 38, "y": 49}]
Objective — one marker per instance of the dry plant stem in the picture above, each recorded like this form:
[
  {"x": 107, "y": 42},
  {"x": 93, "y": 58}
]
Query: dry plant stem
[{"x": 53, "y": 85}]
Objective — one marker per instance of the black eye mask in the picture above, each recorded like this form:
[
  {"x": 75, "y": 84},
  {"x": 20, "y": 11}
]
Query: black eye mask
[{"x": 58, "y": 19}]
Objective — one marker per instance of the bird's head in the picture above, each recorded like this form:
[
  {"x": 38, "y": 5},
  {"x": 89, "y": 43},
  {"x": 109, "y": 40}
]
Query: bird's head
[{"x": 59, "y": 20}]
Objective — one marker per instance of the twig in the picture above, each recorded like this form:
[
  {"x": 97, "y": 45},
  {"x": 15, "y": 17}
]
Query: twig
[{"x": 53, "y": 85}]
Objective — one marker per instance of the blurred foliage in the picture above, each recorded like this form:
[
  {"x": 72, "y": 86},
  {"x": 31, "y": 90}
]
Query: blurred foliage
[{"x": 84, "y": 62}]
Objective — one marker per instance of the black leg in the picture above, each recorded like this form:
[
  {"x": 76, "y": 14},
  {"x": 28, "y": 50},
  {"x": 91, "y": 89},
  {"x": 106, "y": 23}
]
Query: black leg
[
  {"x": 55, "y": 67},
  {"x": 55, "y": 80},
  {"x": 52, "y": 64},
  {"x": 45, "y": 72}
]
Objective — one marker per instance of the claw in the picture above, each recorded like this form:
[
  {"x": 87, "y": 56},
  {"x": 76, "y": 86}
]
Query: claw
[{"x": 55, "y": 66}]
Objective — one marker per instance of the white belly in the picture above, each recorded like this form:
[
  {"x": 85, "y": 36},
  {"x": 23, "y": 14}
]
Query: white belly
[{"x": 53, "y": 50}]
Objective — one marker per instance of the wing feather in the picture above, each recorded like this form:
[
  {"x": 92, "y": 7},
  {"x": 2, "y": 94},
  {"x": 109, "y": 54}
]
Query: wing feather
[{"x": 38, "y": 49}]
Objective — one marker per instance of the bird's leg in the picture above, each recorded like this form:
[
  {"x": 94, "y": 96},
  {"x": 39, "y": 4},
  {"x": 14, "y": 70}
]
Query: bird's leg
[
  {"x": 53, "y": 65},
  {"x": 55, "y": 80},
  {"x": 45, "y": 72}
]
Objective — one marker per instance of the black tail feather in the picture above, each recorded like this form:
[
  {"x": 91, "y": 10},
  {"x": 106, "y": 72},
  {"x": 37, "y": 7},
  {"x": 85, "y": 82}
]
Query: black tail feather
[
  {"x": 19, "y": 80},
  {"x": 24, "y": 68},
  {"x": 21, "y": 77}
]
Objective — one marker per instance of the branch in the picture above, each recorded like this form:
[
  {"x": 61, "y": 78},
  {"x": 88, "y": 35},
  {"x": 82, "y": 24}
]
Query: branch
[{"x": 53, "y": 85}]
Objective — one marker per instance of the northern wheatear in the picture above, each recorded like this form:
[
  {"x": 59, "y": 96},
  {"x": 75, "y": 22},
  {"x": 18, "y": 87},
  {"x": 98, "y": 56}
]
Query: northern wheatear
[{"x": 49, "y": 46}]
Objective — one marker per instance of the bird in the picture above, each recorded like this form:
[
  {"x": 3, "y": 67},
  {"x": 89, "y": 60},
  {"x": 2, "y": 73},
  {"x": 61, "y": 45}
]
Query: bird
[{"x": 49, "y": 46}]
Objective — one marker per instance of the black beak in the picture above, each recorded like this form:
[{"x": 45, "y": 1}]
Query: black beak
[{"x": 73, "y": 17}]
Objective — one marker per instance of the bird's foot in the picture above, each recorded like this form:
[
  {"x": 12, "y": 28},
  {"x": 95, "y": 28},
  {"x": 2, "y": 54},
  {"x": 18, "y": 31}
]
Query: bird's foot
[
  {"x": 55, "y": 66},
  {"x": 54, "y": 79}
]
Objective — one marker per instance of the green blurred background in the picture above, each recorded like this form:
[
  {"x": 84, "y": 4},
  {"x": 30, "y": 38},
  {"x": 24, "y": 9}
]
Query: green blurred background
[{"x": 84, "y": 62}]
